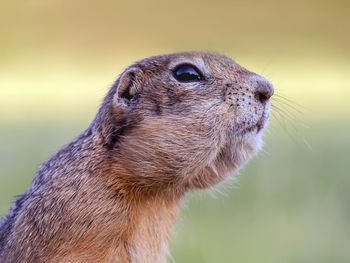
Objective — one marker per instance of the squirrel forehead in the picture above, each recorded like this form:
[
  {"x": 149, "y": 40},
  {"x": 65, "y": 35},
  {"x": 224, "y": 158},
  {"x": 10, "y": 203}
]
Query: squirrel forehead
[{"x": 208, "y": 63}]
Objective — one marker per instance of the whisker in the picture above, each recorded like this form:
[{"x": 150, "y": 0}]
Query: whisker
[
  {"x": 284, "y": 115},
  {"x": 288, "y": 114},
  {"x": 293, "y": 107},
  {"x": 284, "y": 128},
  {"x": 281, "y": 122},
  {"x": 266, "y": 152},
  {"x": 307, "y": 144},
  {"x": 291, "y": 102}
]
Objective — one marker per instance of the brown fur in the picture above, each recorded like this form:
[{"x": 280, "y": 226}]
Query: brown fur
[{"x": 113, "y": 193}]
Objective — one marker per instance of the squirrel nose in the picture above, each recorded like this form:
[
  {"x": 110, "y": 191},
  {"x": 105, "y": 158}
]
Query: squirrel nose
[{"x": 264, "y": 91}]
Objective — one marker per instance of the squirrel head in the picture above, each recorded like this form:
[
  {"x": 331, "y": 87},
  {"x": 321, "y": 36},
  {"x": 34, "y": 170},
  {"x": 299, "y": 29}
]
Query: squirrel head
[{"x": 186, "y": 120}]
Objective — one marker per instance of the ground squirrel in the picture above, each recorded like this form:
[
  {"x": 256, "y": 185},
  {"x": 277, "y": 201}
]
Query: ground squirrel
[{"x": 170, "y": 124}]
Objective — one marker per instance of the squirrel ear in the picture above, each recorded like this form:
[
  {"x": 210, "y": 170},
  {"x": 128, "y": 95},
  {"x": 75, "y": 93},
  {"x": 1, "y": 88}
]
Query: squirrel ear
[{"x": 128, "y": 84}]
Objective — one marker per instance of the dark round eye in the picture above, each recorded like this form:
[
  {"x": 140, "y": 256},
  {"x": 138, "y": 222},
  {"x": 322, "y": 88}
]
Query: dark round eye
[{"x": 187, "y": 73}]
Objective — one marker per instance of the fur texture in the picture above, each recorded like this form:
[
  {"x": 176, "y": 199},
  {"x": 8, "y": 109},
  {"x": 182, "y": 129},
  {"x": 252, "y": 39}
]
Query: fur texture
[{"x": 113, "y": 193}]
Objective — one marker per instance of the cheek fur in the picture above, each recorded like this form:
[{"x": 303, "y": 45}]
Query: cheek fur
[{"x": 227, "y": 162}]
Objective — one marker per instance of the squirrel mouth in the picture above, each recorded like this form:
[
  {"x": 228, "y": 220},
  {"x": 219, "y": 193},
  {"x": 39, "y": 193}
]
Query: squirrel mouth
[
  {"x": 258, "y": 126},
  {"x": 261, "y": 123}
]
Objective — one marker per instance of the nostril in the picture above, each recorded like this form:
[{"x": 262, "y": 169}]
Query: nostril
[
  {"x": 264, "y": 92},
  {"x": 263, "y": 96}
]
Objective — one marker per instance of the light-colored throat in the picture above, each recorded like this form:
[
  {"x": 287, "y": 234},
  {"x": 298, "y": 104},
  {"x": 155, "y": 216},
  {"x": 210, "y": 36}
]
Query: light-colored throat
[{"x": 154, "y": 220}]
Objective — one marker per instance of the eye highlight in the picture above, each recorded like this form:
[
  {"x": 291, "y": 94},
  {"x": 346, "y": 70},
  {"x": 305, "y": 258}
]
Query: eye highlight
[{"x": 187, "y": 73}]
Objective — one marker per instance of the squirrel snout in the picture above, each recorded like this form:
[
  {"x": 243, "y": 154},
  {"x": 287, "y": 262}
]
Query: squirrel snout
[{"x": 264, "y": 90}]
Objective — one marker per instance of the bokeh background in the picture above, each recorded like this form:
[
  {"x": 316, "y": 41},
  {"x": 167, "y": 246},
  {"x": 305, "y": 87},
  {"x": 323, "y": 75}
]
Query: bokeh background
[{"x": 290, "y": 204}]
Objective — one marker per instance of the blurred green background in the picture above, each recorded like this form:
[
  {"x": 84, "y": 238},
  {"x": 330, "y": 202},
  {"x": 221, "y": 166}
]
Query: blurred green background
[{"x": 290, "y": 204}]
